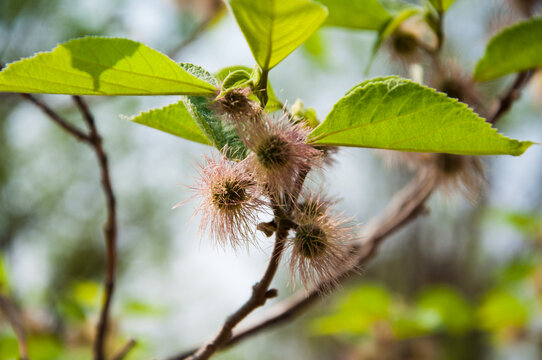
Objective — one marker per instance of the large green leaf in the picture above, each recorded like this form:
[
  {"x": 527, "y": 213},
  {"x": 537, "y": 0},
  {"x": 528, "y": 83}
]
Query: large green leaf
[
  {"x": 275, "y": 28},
  {"x": 356, "y": 14},
  {"x": 173, "y": 119},
  {"x": 517, "y": 48},
  {"x": 398, "y": 114},
  {"x": 101, "y": 66}
]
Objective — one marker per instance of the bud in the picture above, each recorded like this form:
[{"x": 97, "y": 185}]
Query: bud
[{"x": 237, "y": 107}]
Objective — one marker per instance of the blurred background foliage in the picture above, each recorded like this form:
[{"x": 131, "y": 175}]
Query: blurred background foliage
[{"x": 464, "y": 282}]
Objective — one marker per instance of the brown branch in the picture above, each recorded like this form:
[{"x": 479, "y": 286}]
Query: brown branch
[
  {"x": 260, "y": 294},
  {"x": 125, "y": 350},
  {"x": 200, "y": 29},
  {"x": 406, "y": 205},
  {"x": 15, "y": 320},
  {"x": 94, "y": 140},
  {"x": 59, "y": 120},
  {"x": 110, "y": 229},
  {"x": 510, "y": 96}
]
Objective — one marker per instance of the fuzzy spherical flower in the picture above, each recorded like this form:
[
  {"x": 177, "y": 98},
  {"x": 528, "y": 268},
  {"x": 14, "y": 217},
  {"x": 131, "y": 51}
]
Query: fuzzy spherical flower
[
  {"x": 320, "y": 249},
  {"x": 453, "y": 173},
  {"x": 279, "y": 152},
  {"x": 230, "y": 202}
]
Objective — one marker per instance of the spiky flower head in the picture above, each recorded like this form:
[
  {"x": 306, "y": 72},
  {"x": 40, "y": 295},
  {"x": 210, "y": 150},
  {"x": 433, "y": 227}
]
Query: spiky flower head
[
  {"x": 230, "y": 202},
  {"x": 453, "y": 173},
  {"x": 279, "y": 152},
  {"x": 460, "y": 173},
  {"x": 409, "y": 40},
  {"x": 320, "y": 248},
  {"x": 451, "y": 80}
]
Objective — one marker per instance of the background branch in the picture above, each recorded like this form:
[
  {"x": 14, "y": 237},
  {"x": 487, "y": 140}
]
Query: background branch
[
  {"x": 509, "y": 97},
  {"x": 59, "y": 120},
  {"x": 15, "y": 320},
  {"x": 125, "y": 350},
  {"x": 93, "y": 139},
  {"x": 110, "y": 229}
]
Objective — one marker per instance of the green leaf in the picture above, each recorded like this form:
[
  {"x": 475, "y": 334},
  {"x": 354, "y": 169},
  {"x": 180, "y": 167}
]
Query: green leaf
[
  {"x": 501, "y": 309},
  {"x": 356, "y": 14},
  {"x": 364, "y": 307},
  {"x": 235, "y": 79},
  {"x": 397, "y": 20},
  {"x": 517, "y": 48},
  {"x": 4, "y": 283},
  {"x": 398, "y": 114},
  {"x": 173, "y": 119},
  {"x": 44, "y": 347},
  {"x": 451, "y": 310},
  {"x": 275, "y": 28},
  {"x": 219, "y": 133},
  {"x": 273, "y": 103},
  {"x": 139, "y": 308},
  {"x": 441, "y": 5},
  {"x": 101, "y": 66}
]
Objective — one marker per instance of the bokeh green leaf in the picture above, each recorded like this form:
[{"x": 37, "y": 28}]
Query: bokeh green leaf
[
  {"x": 517, "y": 48},
  {"x": 101, "y": 66},
  {"x": 441, "y": 5},
  {"x": 502, "y": 309},
  {"x": 275, "y": 28},
  {"x": 356, "y": 14},
  {"x": 450, "y": 309},
  {"x": 358, "y": 312},
  {"x": 398, "y": 114}
]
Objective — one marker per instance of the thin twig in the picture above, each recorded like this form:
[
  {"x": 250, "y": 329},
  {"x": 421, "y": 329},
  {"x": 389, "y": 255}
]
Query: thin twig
[
  {"x": 218, "y": 7},
  {"x": 59, "y": 120},
  {"x": 190, "y": 39},
  {"x": 405, "y": 206},
  {"x": 511, "y": 95},
  {"x": 15, "y": 320},
  {"x": 125, "y": 350},
  {"x": 110, "y": 229},
  {"x": 260, "y": 294}
]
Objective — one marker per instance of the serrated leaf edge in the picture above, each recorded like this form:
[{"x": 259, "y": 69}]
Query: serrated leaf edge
[{"x": 524, "y": 145}]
